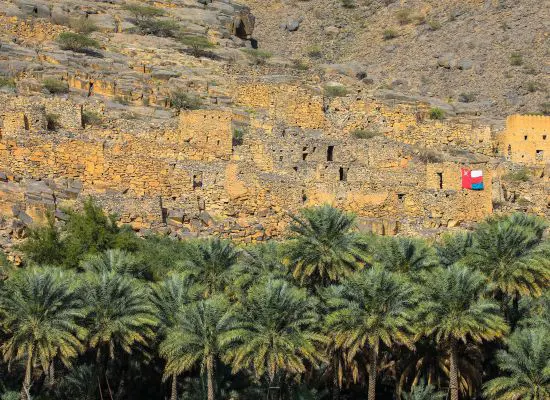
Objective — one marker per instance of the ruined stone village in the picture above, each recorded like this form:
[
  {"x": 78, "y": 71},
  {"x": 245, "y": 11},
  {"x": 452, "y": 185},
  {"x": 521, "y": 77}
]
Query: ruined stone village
[{"x": 266, "y": 140}]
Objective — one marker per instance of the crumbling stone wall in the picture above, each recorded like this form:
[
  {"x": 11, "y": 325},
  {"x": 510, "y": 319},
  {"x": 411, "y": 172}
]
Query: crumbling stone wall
[{"x": 526, "y": 139}]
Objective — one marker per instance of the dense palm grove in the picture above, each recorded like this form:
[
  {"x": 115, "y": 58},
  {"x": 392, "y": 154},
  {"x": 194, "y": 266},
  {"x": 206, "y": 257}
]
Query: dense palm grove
[{"x": 329, "y": 313}]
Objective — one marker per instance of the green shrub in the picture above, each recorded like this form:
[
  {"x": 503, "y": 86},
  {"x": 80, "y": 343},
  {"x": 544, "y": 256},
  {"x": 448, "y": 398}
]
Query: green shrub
[
  {"x": 434, "y": 24},
  {"x": 365, "y": 134},
  {"x": 300, "y": 65},
  {"x": 389, "y": 34},
  {"x": 348, "y": 3},
  {"x": 7, "y": 82},
  {"x": 315, "y": 52},
  {"x": 142, "y": 13},
  {"x": 76, "y": 42},
  {"x": 91, "y": 118},
  {"x": 404, "y": 16},
  {"x": 466, "y": 97},
  {"x": 181, "y": 100},
  {"x": 238, "y": 136},
  {"x": 55, "y": 86},
  {"x": 335, "y": 91},
  {"x": 436, "y": 113},
  {"x": 198, "y": 44},
  {"x": 52, "y": 122},
  {"x": 516, "y": 59},
  {"x": 521, "y": 175},
  {"x": 545, "y": 108},
  {"x": 258, "y": 56},
  {"x": 158, "y": 27},
  {"x": 82, "y": 25},
  {"x": 532, "y": 86}
]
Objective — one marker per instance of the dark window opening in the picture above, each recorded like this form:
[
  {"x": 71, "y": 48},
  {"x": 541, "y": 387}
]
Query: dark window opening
[
  {"x": 217, "y": 142},
  {"x": 304, "y": 196},
  {"x": 90, "y": 88},
  {"x": 539, "y": 155},
  {"x": 197, "y": 181},
  {"x": 330, "y": 153},
  {"x": 440, "y": 177},
  {"x": 304, "y": 156},
  {"x": 26, "y": 122},
  {"x": 313, "y": 151},
  {"x": 525, "y": 137},
  {"x": 344, "y": 174},
  {"x": 280, "y": 158},
  {"x": 400, "y": 196},
  {"x": 509, "y": 150},
  {"x": 295, "y": 169},
  {"x": 543, "y": 137},
  {"x": 35, "y": 10}
]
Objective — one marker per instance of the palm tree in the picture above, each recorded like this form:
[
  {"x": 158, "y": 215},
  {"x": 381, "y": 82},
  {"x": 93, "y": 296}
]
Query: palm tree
[
  {"x": 208, "y": 264},
  {"x": 112, "y": 261},
  {"x": 195, "y": 339},
  {"x": 424, "y": 392},
  {"x": 402, "y": 254},
  {"x": 170, "y": 298},
  {"x": 453, "y": 309},
  {"x": 42, "y": 317},
  {"x": 275, "y": 331},
  {"x": 258, "y": 262},
  {"x": 453, "y": 247},
  {"x": 121, "y": 313},
  {"x": 510, "y": 252},
  {"x": 371, "y": 307},
  {"x": 527, "y": 367},
  {"x": 324, "y": 245}
]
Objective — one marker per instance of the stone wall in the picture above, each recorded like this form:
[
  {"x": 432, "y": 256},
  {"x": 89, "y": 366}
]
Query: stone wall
[{"x": 526, "y": 139}]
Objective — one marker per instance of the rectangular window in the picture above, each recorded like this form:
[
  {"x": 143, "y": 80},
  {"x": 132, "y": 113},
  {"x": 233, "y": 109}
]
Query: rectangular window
[{"x": 330, "y": 153}]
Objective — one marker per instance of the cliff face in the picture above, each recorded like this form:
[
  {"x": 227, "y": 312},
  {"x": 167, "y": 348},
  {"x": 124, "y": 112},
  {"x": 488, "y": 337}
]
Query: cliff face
[{"x": 174, "y": 122}]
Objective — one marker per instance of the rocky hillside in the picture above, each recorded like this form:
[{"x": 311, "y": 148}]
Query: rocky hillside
[{"x": 479, "y": 56}]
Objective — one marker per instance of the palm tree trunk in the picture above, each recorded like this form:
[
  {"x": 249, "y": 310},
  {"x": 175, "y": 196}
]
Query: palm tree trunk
[
  {"x": 335, "y": 383},
  {"x": 453, "y": 371},
  {"x": 210, "y": 376},
  {"x": 174, "y": 395},
  {"x": 51, "y": 374},
  {"x": 25, "y": 390},
  {"x": 372, "y": 372}
]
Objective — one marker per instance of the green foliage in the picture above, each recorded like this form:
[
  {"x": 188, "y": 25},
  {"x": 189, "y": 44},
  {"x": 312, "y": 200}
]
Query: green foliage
[
  {"x": 520, "y": 175},
  {"x": 324, "y": 246},
  {"x": 274, "y": 331},
  {"x": 436, "y": 113},
  {"x": 133, "y": 311},
  {"x": 141, "y": 12},
  {"x": 6, "y": 82},
  {"x": 91, "y": 118},
  {"x": 315, "y": 52},
  {"x": 10, "y": 396},
  {"x": 533, "y": 86},
  {"x": 158, "y": 27},
  {"x": 434, "y": 24},
  {"x": 238, "y": 136},
  {"x": 181, "y": 100},
  {"x": 55, "y": 86},
  {"x": 545, "y": 108},
  {"x": 348, "y": 3},
  {"x": 516, "y": 59},
  {"x": 526, "y": 365},
  {"x": 42, "y": 312},
  {"x": 82, "y": 25},
  {"x": 389, "y": 34},
  {"x": 52, "y": 122},
  {"x": 258, "y": 57},
  {"x": 335, "y": 91},
  {"x": 43, "y": 245},
  {"x": 197, "y": 44},
  {"x": 76, "y": 42},
  {"x": 365, "y": 134},
  {"x": 404, "y": 16}
]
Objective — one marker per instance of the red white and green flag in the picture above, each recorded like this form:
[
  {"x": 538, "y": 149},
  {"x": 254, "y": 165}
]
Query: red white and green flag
[{"x": 472, "y": 180}]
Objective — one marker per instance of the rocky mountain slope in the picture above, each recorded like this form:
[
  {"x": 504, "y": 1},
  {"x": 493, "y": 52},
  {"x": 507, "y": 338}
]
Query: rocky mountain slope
[{"x": 479, "y": 56}]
